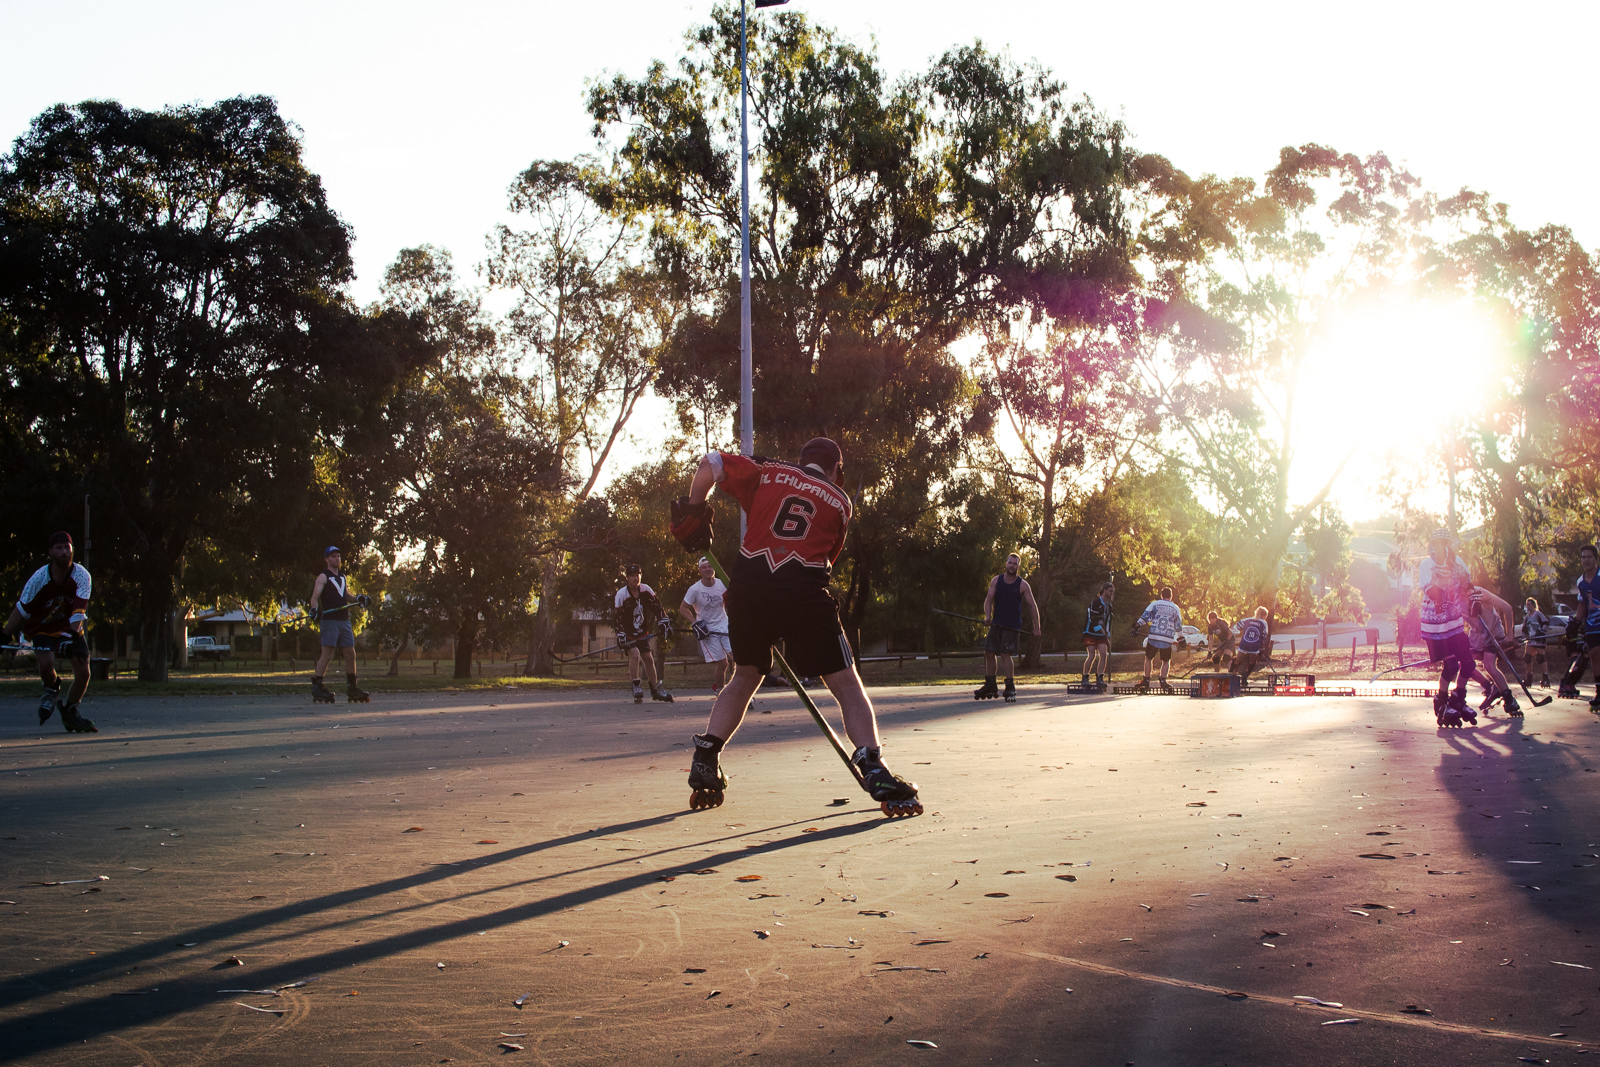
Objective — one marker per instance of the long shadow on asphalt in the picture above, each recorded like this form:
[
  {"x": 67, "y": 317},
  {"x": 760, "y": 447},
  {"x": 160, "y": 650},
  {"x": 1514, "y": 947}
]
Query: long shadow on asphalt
[
  {"x": 1526, "y": 811},
  {"x": 55, "y": 1028}
]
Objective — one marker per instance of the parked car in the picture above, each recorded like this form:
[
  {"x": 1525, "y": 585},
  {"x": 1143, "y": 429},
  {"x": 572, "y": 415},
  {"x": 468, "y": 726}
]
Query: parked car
[
  {"x": 1192, "y": 638},
  {"x": 207, "y": 648}
]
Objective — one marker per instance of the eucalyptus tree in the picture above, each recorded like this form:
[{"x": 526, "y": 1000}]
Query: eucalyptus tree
[
  {"x": 889, "y": 220},
  {"x": 460, "y": 471},
  {"x": 176, "y": 333},
  {"x": 1239, "y": 276},
  {"x": 588, "y": 319},
  {"x": 1528, "y": 431}
]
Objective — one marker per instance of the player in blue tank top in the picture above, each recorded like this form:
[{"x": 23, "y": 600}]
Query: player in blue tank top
[{"x": 1002, "y": 609}]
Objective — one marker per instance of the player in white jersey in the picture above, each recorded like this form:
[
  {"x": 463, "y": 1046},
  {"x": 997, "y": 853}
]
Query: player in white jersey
[
  {"x": 1166, "y": 629},
  {"x": 704, "y": 605}
]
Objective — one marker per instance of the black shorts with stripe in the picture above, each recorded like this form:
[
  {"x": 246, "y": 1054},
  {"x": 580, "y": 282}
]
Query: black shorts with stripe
[{"x": 806, "y": 620}]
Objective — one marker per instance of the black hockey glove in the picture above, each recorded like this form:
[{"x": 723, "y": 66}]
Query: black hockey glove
[
  {"x": 701, "y": 631},
  {"x": 364, "y": 601},
  {"x": 691, "y": 524}
]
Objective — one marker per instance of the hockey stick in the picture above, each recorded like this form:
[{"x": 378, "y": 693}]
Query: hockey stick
[
  {"x": 969, "y": 618},
  {"x": 37, "y": 648},
  {"x": 642, "y": 643},
  {"x": 1489, "y": 637},
  {"x": 1408, "y": 667},
  {"x": 800, "y": 690}
]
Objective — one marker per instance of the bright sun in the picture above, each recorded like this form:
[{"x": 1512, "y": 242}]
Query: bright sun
[{"x": 1383, "y": 383}]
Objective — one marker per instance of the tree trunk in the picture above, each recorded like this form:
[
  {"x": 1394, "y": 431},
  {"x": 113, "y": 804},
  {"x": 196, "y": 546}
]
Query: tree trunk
[
  {"x": 1508, "y": 535},
  {"x": 466, "y": 640},
  {"x": 394, "y": 660},
  {"x": 155, "y": 627},
  {"x": 1044, "y": 583},
  {"x": 542, "y": 640},
  {"x": 858, "y": 605}
]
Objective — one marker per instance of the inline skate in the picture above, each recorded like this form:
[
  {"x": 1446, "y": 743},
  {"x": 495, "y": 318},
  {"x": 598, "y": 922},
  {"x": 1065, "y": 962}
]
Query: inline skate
[
  {"x": 896, "y": 796},
  {"x": 705, "y": 776},
  {"x": 75, "y": 723}
]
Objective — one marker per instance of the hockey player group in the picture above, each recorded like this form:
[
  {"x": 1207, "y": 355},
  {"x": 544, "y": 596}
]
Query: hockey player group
[{"x": 777, "y": 595}]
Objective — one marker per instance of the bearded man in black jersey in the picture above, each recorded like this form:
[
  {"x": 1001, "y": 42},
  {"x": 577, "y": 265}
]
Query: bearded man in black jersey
[{"x": 1002, "y": 609}]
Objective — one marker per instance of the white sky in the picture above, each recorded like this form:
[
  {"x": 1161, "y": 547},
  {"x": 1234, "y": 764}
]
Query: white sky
[{"x": 418, "y": 116}]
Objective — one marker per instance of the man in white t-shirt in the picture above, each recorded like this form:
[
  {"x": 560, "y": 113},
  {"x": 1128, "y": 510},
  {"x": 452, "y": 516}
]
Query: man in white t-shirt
[{"x": 703, "y": 606}]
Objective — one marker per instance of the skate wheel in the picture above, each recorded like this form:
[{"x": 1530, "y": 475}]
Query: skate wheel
[
  {"x": 701, "y": 799},
  {"x": 901, "y": 810}
]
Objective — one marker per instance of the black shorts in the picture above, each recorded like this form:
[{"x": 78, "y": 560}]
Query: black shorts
[
  {"x": 805, "y": 620},
  {"x": 1152, "y": 651},
  {"x": 70, "y": 645},
  {"x": 1456, "y": 645},
  {"x": 1591, "y": 642},
  {"x": 1001, "y": 642}
]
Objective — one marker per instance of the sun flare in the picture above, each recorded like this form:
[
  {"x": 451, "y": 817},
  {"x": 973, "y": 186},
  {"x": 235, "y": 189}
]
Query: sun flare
[{"x": 1382, "y": 384}]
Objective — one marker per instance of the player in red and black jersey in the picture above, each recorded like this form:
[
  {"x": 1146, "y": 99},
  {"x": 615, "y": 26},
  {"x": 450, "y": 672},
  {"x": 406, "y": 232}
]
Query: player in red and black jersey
[
  {"x": 796, "y": 517},
  {"x": 51, "y": 613}
]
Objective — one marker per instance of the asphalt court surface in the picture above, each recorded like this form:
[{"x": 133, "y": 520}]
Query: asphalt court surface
[{"x": 432, "y": 878}]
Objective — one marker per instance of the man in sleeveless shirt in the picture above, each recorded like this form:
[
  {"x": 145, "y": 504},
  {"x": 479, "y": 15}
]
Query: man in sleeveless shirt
[
  {"x": 330, "y": 595},
  {"x": 1002, "y": 610}
]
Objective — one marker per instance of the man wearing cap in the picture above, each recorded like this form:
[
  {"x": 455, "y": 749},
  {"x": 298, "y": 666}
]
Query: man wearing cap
[
  {"x": 331, "y": 596},
  {"x": 796, "y": 517},
  {"x": 638, "y": 611},
  {"x": 51, "y": 613},
  {"x": 703, "y": 605}
]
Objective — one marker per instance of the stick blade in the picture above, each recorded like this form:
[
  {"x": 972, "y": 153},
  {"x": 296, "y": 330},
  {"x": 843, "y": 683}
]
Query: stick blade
[{"x": 1542, "y": 703}]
